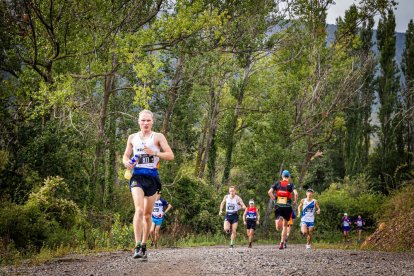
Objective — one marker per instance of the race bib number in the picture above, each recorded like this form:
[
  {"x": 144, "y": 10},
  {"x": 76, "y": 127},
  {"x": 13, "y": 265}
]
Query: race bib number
[
  {"x": 146, "y": 159},
  {"x": 282, "y": 200},
  {"x": 156, "y": 210},
  {"x": 309, "y": 210},
  {"x": 231, "y": 208}
]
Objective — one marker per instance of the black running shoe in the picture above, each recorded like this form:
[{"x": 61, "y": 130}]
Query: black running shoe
[
  {"x": 285, "y": 244},
  {"x": 144, "y": 257},
  {"x": 137, "y": 251},
  {"x": 250, "y": 245},
  {"x": 231, "y": 246},
  {"x": 143, "y": 253},
  {"x": 152, "y": 243}
]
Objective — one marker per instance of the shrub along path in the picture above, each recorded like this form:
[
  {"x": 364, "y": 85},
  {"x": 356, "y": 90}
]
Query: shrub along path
[{"x": 259, "y": 260}]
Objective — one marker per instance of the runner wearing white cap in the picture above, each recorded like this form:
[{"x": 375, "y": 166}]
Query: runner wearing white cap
[
  {"x": 251, "y": 217},
  {"x": 346, "y": 226}
]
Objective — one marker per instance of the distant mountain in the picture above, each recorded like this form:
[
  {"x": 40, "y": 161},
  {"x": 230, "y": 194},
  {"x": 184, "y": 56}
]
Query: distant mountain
[{"x": 400, "y": 41}]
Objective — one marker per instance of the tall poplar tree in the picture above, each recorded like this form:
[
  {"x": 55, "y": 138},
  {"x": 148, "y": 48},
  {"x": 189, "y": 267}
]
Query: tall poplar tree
[
  {"x": 358, "y": 43},
  {"x": 408, "y": 70},
  {"x": 387, "y": 87}
]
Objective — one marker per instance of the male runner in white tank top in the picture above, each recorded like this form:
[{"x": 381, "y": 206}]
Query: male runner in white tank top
[
  {"x": 146, "y": 146},
  {"x": 307, "y": 221},
  {"x": 233, "y": 204}
]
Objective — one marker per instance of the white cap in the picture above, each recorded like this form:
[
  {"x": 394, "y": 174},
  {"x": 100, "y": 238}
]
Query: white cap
[
  {"x": 251, "y": 201},
  {"x": 345, "y": 214}
]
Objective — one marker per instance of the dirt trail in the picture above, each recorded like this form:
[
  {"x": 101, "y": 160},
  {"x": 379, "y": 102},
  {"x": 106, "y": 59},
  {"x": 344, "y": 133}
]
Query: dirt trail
[{"x": 219, "y": 260}]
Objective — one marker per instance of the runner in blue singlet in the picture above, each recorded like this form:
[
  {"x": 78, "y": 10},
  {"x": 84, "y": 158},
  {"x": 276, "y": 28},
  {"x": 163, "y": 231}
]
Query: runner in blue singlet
[
  {"x": 233, "y": 204},
  {"x": 346, "y": 226},
  {"x": 149, "y": 147},
  {"x": 360, "y": 225},
  {"x": 161, "y": 207},
  {"x": 307, "y": 209}
]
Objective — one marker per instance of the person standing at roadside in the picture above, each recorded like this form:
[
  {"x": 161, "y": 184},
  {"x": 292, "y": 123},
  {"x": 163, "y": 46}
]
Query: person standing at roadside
[
  {"x": 149, "y": 147},
  {"x": 307, "y": 222},
  {"x": 233, "y": 204},
  {"x": 251, "y": 217},
  {"x": 281, "y": 194}
]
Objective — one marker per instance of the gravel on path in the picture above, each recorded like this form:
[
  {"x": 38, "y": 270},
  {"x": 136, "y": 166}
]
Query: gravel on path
[{"x": 221, "y": 260}]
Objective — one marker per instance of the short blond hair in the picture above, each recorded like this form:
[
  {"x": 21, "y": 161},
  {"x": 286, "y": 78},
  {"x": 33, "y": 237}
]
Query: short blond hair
[
  {"x": 146, "y": 111},
  {"x": 234, "y": 187}
]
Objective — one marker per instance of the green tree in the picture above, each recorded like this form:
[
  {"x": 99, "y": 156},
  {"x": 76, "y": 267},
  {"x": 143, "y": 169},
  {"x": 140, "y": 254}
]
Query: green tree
[
  {"x": 386, "y": 160},
  {"x": 408, "y": 70},
  {"x": 358, "y": 43}
]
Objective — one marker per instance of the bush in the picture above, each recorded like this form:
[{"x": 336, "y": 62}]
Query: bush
[
  {"x": 23, "y": 225},
  {"x": 52, "y": 200},
  {"x": 195, "y": 205},
  {"x": 48, "y": 218},
  {"x": 346, "y": 197},
  {"x": 122, "y": 236},
  {"x": 396, "y": 223},
  {"x": 400, "y": 203}
]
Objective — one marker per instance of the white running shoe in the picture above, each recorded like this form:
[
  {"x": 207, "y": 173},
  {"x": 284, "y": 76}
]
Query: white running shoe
[{"x": 308, "y": 246}]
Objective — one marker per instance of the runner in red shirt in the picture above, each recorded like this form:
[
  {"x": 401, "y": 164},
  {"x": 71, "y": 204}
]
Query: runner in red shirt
[{"x": 251, "y": 217}]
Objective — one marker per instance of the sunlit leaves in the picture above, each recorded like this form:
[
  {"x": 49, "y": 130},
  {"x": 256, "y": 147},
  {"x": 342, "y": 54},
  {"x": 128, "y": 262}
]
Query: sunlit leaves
[{"x": 53, "y": 96}]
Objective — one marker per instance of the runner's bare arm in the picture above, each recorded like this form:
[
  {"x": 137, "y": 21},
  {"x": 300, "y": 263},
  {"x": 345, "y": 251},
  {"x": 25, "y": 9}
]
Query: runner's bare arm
[
  {"x": 241, "y": 203},
  {"x": 270, "y": 193},
  {"x": 222, "y": 205},
  {"x": 244, "y": 216},
  {"x": 127, "y": 153},
  {"x": 318, "y": 210},
  {"x": 168, "y": 208},
  {"x": 296, "y": 195},
  {"x": 300, "y": 206},
  {"x": 167, "y": 153},
  {"x": 258, "y": 216}
]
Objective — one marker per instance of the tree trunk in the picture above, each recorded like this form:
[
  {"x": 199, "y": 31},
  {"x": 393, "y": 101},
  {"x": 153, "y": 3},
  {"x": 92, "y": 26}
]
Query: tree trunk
[
  {"x": 267, "y": 214},
  {"x": 201, "y": 149},
  {"x": 306, "y": 160},
  {"x": 410, "y": 128},
  {"x": 111, "y": 169},
  {"x": 98, "y": 176},
  {"x": 173, "y": 95},
  {"x": 233, "y": 124},
  {"x": 213, "y": 122},
  {"x": 211, "y": 163}
]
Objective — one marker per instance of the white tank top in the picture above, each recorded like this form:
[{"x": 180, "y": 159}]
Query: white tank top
[
  {"x": 308, "y": 211},
  {"x": 145, "y": 160},
  {"x": 231, "y": 204}
]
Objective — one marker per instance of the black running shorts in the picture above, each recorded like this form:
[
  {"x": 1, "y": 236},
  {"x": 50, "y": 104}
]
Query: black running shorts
[
  {"x": 284, "y": 212},
  {"x": 232, "y": 218},
  {"x": 251, "y": 224},
  {"x": 149, "y": 184}
]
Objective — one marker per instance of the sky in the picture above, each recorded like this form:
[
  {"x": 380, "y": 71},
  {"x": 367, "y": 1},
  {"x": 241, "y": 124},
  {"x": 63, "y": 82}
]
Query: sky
[{"x": 403, "y": 14}]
